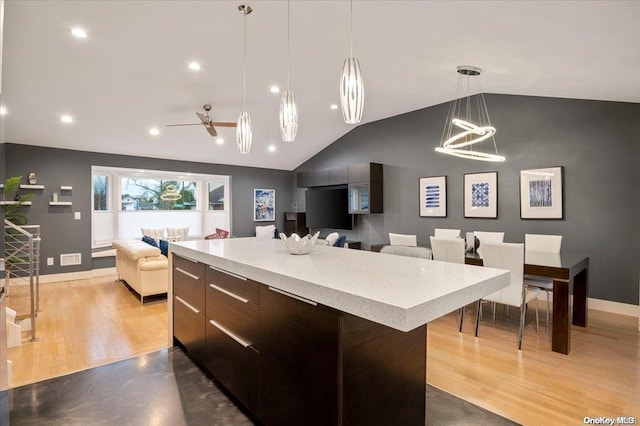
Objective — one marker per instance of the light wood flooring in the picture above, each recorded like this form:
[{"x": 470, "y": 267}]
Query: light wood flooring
[
  {"x": 93, "y": 322},
  {"x": 84, "y": 324}
]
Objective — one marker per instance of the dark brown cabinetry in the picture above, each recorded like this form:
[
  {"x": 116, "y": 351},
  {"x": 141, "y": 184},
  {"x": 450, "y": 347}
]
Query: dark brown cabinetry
[
  {"x": 188, "y": 305},
  {"x": 365, "y": 188},
  {"x": 323, "y": 177},
  {"x": 294, "y": 222},
  {"x": 232, "y": 334},
  {"x": 292, "y": 361}
]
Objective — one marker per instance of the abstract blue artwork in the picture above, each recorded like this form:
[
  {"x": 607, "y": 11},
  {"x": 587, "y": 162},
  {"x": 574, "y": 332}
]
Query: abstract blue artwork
[
  {"x": 540, "y": 193},
  {"x": 481, "y": 195},
  {"x": 433, "y": 196}
]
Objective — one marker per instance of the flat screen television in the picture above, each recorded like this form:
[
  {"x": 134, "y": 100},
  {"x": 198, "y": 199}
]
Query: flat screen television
[{"x": 328, "y": 208}]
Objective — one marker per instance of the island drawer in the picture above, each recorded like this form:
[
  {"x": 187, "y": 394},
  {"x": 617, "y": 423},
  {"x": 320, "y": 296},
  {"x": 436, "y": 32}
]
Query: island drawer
[
  {"x": 188, "y": 327},
  {"x": 234, "y": 363},
  {"x": 233, "y": 312},
  {"x": 188, "y": 281},
  {"x": 233, "y": 283}
]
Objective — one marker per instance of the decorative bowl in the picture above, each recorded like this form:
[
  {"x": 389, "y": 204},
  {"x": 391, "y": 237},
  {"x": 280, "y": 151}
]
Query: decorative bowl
[{"x": 297, "y": 245}]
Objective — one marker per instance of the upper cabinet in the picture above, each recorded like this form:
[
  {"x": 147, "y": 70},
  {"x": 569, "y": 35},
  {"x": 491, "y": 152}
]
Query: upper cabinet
[
  {"x": 323, "y": 177},
  {"x": 365, "y": 188}
]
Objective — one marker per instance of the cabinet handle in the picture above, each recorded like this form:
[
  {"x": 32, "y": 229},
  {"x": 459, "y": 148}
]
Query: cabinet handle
[
  {"x": 228, "y": 273},
  {"x": 228, "y": 293},
  {"x": 302, "y": 299},
  {"x": 195, "y": 277},
  {"x": 230, "y": 334},
  {"x": 190, "y": 260},
  {"x": 179, "y": 299}
]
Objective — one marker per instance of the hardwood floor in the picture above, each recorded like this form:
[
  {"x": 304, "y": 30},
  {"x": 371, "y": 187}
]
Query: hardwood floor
[
  {"x": 600, "y": 377},
  {"x": 93, "y": 322},
  {"x": 83, "y": 324}
]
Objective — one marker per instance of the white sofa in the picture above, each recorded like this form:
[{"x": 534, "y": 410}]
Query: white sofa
[{"x": 142, "y": 267}]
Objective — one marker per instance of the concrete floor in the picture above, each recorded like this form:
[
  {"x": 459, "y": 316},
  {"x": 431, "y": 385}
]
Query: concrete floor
[{"x": 166, "y": 388}]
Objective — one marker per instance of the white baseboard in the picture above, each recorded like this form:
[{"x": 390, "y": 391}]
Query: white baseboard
[{"x": 67, "y": 276}]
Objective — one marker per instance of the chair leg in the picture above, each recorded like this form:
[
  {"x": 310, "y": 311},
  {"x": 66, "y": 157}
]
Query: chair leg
[
  {"x": 461, "y": 318},
  {"x": 523, "y": 313},
  {"x": 493, "y": 309},
  {"x": 537, "y": 321},
  {"x": 548, "y": 306},
  {"x": 478, "y": 315}
]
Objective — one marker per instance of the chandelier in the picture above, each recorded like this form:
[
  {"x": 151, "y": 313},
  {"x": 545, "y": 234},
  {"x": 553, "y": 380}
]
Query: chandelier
[
  {"x": 351, "y": 83},
  {"x": 244, "y": 132},
  {"x": 469, "y": 116},
  {"x": 288, "y": 106}
]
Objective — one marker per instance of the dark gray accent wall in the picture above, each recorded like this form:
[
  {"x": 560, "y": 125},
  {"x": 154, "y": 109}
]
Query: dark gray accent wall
[
  {"x": 598, "y": 143},
  {"x": 55, "y": 167}
]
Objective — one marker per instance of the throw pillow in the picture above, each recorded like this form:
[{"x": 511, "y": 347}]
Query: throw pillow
[
  {"x": 332, "y": 238},
  {"x": 181, "y": 232},
  {"x": 164, "y": 247},
  {"x": 222, "y": 233},
  {"x": 158, "y": 234},
  {"x": 173, "y": 239},
  {"x": 150, "y": 240},
  {"x": 268, "y": 231}
]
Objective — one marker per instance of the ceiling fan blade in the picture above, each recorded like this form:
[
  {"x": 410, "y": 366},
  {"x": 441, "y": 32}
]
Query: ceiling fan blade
[
  {"x": 224, "y": 124},
  {"x": 211, "y": 130},
  {"x": 203, "y": 118},
  {"x": 175, "y": 125}
]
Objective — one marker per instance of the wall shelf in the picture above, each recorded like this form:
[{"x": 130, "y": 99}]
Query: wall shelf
[
  {"x": 60, "y": 203},
  {"x": 66, "y": 188},
  {"x": 8, "y": 203},
  {"x": 31, "y": 186}
]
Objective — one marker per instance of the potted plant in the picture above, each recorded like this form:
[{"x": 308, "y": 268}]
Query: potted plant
[{"x": 11, "y": 186}]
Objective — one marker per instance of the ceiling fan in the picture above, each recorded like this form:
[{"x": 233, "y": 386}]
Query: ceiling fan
[{"x": 206, "y": 121}]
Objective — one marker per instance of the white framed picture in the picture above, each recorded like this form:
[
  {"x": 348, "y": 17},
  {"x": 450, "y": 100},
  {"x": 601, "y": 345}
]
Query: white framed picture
[
  {"x": 264, "y": 205},
  {"x": 481, "y": 195},
  {"x": 541, "y": 193},
  {"x": 433, "y": 196}
]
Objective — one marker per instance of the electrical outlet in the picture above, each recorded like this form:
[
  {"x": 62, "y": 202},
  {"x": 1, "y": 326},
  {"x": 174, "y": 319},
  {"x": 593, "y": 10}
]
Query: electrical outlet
[
  {"x": 49, "y": 261},
  {"x": 77, "y": 216}
]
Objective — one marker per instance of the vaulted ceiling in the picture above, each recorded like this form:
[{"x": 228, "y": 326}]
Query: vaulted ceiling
[{"x": 131, "y": 73}]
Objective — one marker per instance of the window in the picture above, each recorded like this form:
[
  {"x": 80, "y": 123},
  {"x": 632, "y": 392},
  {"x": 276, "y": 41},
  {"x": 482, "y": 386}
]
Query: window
[
  {"x": 216, "y": 195},
  {"x": 157, "y": 194},
  {"x": 100, "y": 192}
]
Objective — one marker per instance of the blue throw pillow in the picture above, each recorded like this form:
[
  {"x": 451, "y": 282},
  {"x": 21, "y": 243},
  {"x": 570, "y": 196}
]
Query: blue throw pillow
[
  {"x": 340, "y": 241},
  {"x": 164, "y": 247},
  {"x": 150, "y": 240}
]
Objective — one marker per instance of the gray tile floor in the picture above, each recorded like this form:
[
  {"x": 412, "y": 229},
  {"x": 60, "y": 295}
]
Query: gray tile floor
[{"x": 166, "y": 388}]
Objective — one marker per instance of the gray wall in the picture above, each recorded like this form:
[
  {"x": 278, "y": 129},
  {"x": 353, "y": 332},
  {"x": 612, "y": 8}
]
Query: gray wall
[
  {"x": 55, "y": 167},
  {"x": 598, "y": 143}
]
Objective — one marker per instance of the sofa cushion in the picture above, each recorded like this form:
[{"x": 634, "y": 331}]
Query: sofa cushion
[
  {"x": 183, "y": 233},
  {"x": 136, "y": 249}
]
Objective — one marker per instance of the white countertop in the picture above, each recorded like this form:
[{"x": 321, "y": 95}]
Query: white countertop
[{"x": 396, "y": 291}]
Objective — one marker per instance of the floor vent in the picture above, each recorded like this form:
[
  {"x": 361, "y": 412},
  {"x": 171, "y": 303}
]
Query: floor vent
[{"x": 69, "y": 259}]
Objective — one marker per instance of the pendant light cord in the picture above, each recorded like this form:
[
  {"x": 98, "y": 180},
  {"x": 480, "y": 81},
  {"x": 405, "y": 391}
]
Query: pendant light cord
[
  {"x": 244, "y": 65},
  {"x": 288, "y": 41},
  {"x": 351, "y": 29}
]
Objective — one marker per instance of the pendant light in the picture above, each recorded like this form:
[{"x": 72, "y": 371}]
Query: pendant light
[
  {"x": 351, "y": 84},
  {"x": 244, "y": 132},
  {"x": 469, "y": 113},
  {"x": 288, "y": 106}
]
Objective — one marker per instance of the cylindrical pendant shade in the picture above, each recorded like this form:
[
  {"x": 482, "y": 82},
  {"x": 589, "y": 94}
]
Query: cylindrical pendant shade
[
  {"x": 288, "y": 116},
  {"x": 244, "y": 133},
  {"x": 352, "y": 91}
]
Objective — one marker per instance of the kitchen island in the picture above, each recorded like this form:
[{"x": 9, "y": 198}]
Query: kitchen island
[{"x": 333, "y": 337}]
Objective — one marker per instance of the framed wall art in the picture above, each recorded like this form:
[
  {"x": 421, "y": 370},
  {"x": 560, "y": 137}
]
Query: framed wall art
[
  {"x": 541, "y": 193},
  {"x": 264, "y": 205},
  {"x": 481, "y": 195},
  {"x": 433, "y": 196}
]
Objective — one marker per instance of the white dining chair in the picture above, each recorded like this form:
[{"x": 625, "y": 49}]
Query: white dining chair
[
  {"x": 542, "y": 244},
  {"x": 488, "y": 237},
  {"x": 409, "y": 251},
  {"x": 509, "y": 256},
  {"x": 403, "y": 240},
  {"x": 449, "y": 250},
  {"x": 446, "y": 233}
]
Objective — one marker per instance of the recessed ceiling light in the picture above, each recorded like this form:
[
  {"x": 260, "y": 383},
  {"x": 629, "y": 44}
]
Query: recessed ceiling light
[
  {"x": 274, "y": 89},
  {"x": 66, "y": 119},
  {"x": 219, "y": 141},
  {"x": 334, "y": 106},
  {"x": 194, "y": 66},
  {"x": 154, "y": 131},
  {"x": 78, "y": 32},
  {"x": 272, "y": 148},
  {"x": 3, "y": 110}
]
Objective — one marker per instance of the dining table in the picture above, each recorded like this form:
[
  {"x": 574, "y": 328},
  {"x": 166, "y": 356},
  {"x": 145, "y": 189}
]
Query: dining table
[{"x": 570, "y": 275}]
